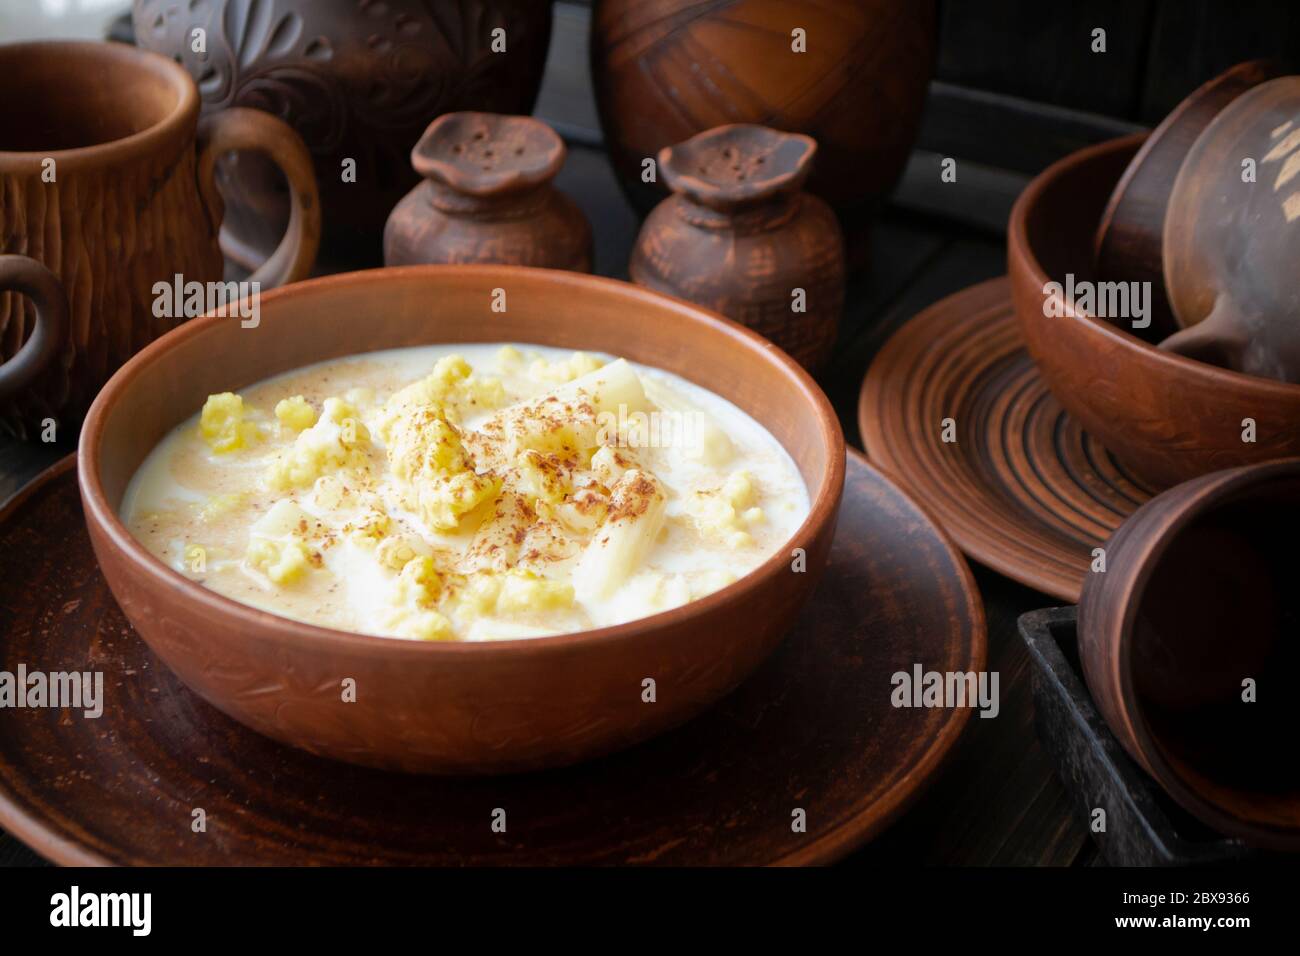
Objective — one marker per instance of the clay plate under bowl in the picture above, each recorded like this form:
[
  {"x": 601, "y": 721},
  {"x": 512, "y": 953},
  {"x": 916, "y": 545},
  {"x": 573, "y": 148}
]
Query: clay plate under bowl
[
  {"x": 456, "y": 707},
  {"x": 1166, "y": 417},
  {"x": 1021, "y": 488},
  {"x": 813, "y": 728}
]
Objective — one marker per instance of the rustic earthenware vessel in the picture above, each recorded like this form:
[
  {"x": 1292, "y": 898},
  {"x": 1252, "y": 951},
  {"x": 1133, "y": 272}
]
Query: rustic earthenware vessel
[
  {"x": 451, "y": 707},
  {"x": 1130, "y": 237},
  {"x": 106, "y": 188},
  {"x": 1232, "y": 237},
  {"x": 1166, "y": 417},
  {"x": 359, "y": 80},
  {"x": 740, "y": 236},
  {"x": 665, "y": 70},
  {"x": 487, "y": 197},
  {"x": 1188, "y": 646}
]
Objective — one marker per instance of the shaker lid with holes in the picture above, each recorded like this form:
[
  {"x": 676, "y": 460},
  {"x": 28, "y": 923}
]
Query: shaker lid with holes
[
  {"x": 730, "y": 166},
  {"x": 488, "y": 154}
]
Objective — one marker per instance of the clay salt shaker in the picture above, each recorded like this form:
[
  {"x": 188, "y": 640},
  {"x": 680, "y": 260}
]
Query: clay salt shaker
[
  {"x": 487, "y": 197},
  {"x": 741, "y": 237}
]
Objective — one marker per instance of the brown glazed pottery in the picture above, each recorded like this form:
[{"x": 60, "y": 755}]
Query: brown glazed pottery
[
  {"x": 811, "y": 728},
  {"x": 1188, "y": 646},
  {"x": 1166, "y": 417},
  {"x": 741, "y": 237},
  {"x": 359, "y": 80},
  {"x": 487, "y": 197},
  {"x": 665, "y": 70},
  {"x": 106, "y": 189},
  {"x": 1015, "y": 482},
  {"x": 1232, "y": 240},
  {"x": 452, "y": 707},
  {"x": 1130, "y": 237}
]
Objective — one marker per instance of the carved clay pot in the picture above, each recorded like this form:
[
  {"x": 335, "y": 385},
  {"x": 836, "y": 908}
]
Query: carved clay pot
[
  {"x": 740, "y": 237},
  {"x": 359, "y": 80},
  {"x": 665, "y": 70},
  {"x": 487, "y": 197}
]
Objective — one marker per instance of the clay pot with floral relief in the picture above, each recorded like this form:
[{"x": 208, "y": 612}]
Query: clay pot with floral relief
[
  {"x": 740, "y": 236},
  {"x": 358, "y": 80},
  {"x": 487, "y": 198}
]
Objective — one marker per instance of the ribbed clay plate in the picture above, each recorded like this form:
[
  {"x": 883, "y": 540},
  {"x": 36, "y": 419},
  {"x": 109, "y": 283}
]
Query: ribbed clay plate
[
  {"x": 1023, "y": 489},
  {"x": 812, "y": 729}
]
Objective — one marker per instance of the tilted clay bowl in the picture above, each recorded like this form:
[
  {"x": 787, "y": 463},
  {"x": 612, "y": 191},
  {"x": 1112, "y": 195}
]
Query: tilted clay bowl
[
  {"x": 1232, "y": 239},
  {"x": 1198, "y": 598},
  {"x": 1166, "y": 417},
  {"x": 1130, "y": 236},
  {"x": 448, "y": 707}
]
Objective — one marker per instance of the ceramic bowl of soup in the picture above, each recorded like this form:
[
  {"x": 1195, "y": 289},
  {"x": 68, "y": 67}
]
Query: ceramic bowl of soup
[{"x": 462, "y": 519}]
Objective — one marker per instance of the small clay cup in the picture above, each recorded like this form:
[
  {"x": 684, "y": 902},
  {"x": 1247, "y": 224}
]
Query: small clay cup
[
  {"x": 1130, "y": 237},
  {"x": 456, "y": 708},
  {"x": 740, "y": 236},
  {"x": 1232, "y": 247},
  {"x": 1197, "y": 599},
  {"x": 1166, "y": 417},
  {"x": 487, "y": 198}
]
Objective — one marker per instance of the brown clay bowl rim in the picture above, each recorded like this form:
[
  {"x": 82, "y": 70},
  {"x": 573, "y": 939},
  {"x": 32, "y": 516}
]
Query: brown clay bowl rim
[
  {"x": 265, "y": 625},
  {"x": 1215, "y": 489},
  {"x": 1022, "y": 258},
  {"x": 1156, "y": 140},
  {"x": 183, "y": 115},
  {"x": 860, "y": 828}
]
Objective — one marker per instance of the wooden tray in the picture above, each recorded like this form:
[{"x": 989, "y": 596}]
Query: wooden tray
[
  {"x": 1022, "y": 489},
  {"x": 1144, "y": 827},
  {"x": 813, "y": 729}
]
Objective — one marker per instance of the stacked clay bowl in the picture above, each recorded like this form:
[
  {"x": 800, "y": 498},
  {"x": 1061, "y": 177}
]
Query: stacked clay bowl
[{"x": 1167, "y": 417}]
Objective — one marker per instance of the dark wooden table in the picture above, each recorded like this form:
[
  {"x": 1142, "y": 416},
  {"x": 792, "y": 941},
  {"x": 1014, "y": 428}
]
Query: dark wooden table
[{"x": 997, "y": 801}]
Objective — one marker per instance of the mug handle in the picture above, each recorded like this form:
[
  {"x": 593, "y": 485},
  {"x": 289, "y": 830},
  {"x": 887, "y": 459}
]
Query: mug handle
[
  {"x": 241, "y": 128},
  {"x": 33, "y": 279}
]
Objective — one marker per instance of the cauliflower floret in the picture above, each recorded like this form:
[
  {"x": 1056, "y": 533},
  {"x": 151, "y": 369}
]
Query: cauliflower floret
[
  {"x": 222, "y": 425},
  {"x": 451, "y": 385},
  {"x": 396, "y": 551},
  {"x": 416, "y": 595},
  {"x": 523, "y": 591},
  {"x": 338, "y": 441},
  {"x": 729, "y": 512},
  {"x": 419, "y": 582},
  {"x": 295, "y": 413},
  {"x": 275, "y": 546},
  {"x": 509, "y": 359},
  {"x": 564, "y": 370},
  {"x": 540, "y": 477},
  {"x": 434, "y": 473},
  {"x": 370, "y": 527}
]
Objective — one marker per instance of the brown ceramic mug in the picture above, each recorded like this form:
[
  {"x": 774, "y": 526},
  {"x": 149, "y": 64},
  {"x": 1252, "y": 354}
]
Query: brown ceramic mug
[
  {"x": 106, "y": 189},
  {"x": 1187, "y": 642}
]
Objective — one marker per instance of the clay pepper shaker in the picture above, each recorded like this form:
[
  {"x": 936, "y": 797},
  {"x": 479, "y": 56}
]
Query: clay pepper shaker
[
  {"x": 740, "y": 236},
  {"x": 487, "y": 197}
]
